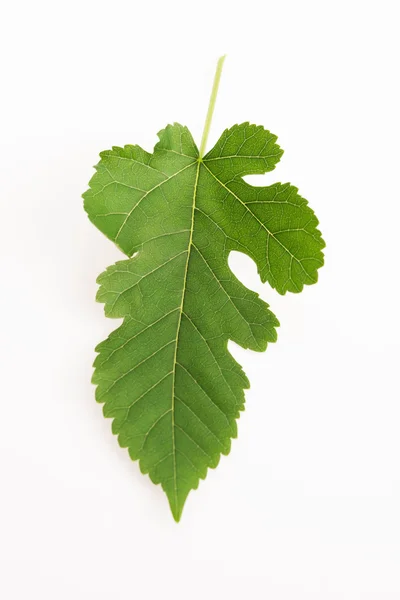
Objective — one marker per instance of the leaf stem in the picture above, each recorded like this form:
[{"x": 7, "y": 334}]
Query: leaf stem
[{"x": 211, "y": 105}]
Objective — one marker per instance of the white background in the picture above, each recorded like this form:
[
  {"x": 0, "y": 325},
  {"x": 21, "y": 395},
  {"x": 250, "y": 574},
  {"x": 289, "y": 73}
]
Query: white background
[{"x": 307, "y": 505}]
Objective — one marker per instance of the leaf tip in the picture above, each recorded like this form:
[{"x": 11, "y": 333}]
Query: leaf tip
[
  {"x": 175, "y": 508},
  {"x": 176, "y": 516}
]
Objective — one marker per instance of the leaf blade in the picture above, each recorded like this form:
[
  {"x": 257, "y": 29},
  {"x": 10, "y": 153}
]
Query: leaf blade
[{"x": 165, "y": 375}]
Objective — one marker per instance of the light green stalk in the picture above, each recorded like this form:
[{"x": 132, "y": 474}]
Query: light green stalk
[{"x": 211, "y": 105}]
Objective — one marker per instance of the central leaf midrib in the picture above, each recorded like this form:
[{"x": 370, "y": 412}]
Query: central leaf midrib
[{"x": 181, "y": 310}]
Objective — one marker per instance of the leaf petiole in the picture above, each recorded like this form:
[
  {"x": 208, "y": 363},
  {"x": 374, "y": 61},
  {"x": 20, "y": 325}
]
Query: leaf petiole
[{"x": 211, "y": 105}]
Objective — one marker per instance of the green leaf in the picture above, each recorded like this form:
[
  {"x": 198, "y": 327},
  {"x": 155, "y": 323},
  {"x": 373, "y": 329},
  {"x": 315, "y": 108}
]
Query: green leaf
[{"x": 165, "y": 376}]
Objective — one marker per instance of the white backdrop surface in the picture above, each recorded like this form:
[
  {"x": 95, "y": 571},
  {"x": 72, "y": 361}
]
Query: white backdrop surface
[{"x": 306, "y": 506}]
